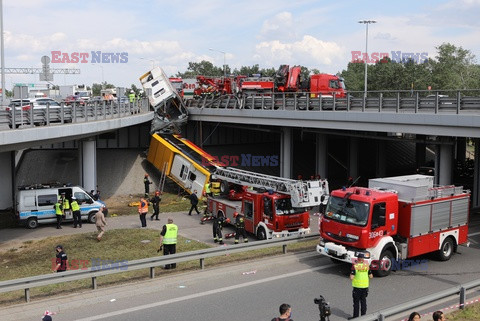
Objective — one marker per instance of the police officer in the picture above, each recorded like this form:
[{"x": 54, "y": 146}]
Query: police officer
[
  {"x": 58, "y": 213},
  {"x": 66, "y": 206},
  {"x": 360, "y": 276},
  {"x": 168, "y": 240},
  {"x": 77, "y": 217},
  {"x": 217, "y": 228},
  {"x": 147, "y": 183},
  {"x": 156, "y": 203},
  {"x": 240, "y": 228}
]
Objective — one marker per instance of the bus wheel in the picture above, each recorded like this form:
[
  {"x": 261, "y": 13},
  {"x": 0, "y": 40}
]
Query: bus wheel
[{"x": 261, "y": 234}]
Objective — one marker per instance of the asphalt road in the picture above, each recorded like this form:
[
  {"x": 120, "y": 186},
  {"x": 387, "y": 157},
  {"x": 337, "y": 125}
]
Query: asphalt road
[{"x": 254, "y": 290}]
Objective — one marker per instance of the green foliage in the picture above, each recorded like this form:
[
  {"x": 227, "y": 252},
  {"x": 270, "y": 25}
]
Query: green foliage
[
  {"x": 452, "y": 68},
  {"x": 96, "y": 88}
]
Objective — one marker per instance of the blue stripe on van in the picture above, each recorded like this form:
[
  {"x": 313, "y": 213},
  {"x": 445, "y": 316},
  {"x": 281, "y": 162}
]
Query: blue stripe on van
[{"x": 84, "y": 210}]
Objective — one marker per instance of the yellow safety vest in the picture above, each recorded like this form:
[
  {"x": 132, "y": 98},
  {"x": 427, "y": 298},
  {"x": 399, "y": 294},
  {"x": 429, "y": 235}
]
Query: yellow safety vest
[
  {"x": 58, "y": 209},
  {"x": 131, "y": 97},
  {"x": 361, "y": 276},
  {"x": 66, "y": 204},
  {"x": 75, "y": 206},
  {"x": 207, "y": 188},
  {"x": 170, "y": 236}
]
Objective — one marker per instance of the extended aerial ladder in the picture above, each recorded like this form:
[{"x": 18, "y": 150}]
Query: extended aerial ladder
[{"x": 302, "y": 193}]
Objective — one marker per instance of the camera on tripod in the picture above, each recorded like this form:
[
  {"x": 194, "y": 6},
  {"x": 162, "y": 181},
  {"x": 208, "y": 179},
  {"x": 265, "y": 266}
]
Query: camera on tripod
[{"x": 323, "y": 307}]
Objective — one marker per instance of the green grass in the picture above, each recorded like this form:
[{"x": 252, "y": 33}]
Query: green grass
[{"x": 470, "y": 313}]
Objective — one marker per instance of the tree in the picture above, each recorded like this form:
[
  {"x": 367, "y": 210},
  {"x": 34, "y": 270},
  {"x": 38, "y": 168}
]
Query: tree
[{"x": 204, "y": 68}]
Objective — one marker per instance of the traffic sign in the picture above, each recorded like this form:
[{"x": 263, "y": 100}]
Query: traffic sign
[{"x": 25, "y": 85}]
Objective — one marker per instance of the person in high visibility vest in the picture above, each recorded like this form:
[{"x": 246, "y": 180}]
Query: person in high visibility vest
[
  {"x": 142, "y": 211},
  {"x": 360, "y": 276},
  {"x": 131, "y": 97},
  {"x": 168, "y": 241},
  {"x": 208, "y": 189},
  {"x": 66, "y": 207},
  {"x": 77, "y": 217},
  {"x": 58, "y": 213}
]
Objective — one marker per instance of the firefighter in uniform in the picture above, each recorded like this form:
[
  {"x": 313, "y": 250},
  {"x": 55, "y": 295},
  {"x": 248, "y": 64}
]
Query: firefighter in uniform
[
  {"x": 59, "y": 213},
  {"x": 77, "y": 216},
  {"x": 168, "y": 240},
  {"x": 240, "y": 228},
  {"x": 360, "y": 276},
  {"x": 217, "y": 228},
  {"x": 156, "y": 205}
]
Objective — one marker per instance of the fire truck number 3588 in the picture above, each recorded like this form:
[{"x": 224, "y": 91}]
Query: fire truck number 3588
[{"x": 375, "y": 234}]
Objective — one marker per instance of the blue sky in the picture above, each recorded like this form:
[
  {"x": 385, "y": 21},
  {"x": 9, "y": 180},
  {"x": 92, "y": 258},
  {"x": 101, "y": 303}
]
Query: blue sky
[{"x": 315, "y": 34}]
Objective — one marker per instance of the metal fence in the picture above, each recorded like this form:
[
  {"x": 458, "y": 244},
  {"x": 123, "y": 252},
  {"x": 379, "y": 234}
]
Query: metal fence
[
  {"x": 45, "y": 115},
  {"x": 388, "y": 101}
]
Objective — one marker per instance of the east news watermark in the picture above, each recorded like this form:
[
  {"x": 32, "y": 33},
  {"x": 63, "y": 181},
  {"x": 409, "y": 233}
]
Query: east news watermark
[
  {"x": 397, "y": 265},
  {"x": 94, "y": 57},
  {"x": 246, "y": 160},
  {"x": 395, "y": 56}
]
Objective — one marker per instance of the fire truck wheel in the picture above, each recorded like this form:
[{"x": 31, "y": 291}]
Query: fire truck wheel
[
  {"x": 224, "y": 188},
  {"x": 385, "y": 266},
  {"x": 261, "y": 234},
  {"x": 446, "y": 251},
  {"x": 32, "y": 223},
  {"x": 91, "y": 218}
]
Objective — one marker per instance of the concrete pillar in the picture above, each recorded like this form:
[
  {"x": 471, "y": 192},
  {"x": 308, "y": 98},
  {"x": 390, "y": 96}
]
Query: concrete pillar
[
  {"x": 286, "y": 153},
  {"x": 321, "y": 155},
  {"x": 7, "y": 165},
  {"x": 445, "y": 166},
  {"x": 88, "y": 164},
  {"x": 420, "y": 152},
  {"x": 381, "y": 169},
  {"x": 353, "y": 158},
  {"x": 476, "y": 175},
  {"x": 461, "y": 149}
]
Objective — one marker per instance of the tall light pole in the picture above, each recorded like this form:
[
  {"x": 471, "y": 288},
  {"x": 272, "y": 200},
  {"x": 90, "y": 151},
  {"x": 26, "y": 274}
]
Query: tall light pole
[
  {"x": 4, "y": 92},
  {"x": 153, "y": 61},
  {"x": 366, "y": 22},
  {"x": 224, "y": 61}
]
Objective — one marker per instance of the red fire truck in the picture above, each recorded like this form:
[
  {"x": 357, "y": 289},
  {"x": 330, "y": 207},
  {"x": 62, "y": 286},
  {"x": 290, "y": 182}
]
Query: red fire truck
[
  {"x": 395, "y": 218},
  {"x": 280, "y": 211}
]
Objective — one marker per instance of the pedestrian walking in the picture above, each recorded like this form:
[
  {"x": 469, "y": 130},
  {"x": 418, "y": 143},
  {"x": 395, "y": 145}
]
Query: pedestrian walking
[
  {"x": 142, "y": 211},
  {"x": 240, "y": 228},
  {"x": 168, "y": 241},
  {"x": 77, "y": 216},
  {"x": 100, "y": 222},
  {"x": 61, "y": 259},
  {"x": 147, "y": 183},
  {"x": 360, "y": 276},
  {"x": 285, "y": 313},
  {"x": 217, "y": 228},
  {"x": 194, "y": 202},
  {"x": 58, "y": 213},
  {"x": 156, "y": 205}
]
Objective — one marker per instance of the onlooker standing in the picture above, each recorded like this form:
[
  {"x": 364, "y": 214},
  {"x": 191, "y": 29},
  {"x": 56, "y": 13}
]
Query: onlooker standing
[
  {"x": 168, "y": 240},
  {"x": 142, "y": 211},
  {"x": 100, "y": 222},
  {"x": 147, "y": 183},
  {"x": 156, "y": 205},
  {"x": 360, "y": 276},
  {"x": 194, "y": 201},
  {"x": 285, "y": 313},
  {"x": 414, "y": 316},
  {"x": 77, "y": 216},
  {"x": 58, "y": 213},
  {"x": 61, "y": 259},
  {"x": 438, "y": 316}
]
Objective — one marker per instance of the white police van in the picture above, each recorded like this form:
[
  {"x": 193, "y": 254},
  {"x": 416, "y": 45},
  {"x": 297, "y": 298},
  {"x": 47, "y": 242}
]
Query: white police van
[{"x": 35, "y": 204}]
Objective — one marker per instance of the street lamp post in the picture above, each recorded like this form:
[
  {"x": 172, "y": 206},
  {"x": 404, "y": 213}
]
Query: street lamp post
[
  {"x": 366, "y": 22},
  {"x": 224, "y": 61},
  {"x": 4, "y": 92}
]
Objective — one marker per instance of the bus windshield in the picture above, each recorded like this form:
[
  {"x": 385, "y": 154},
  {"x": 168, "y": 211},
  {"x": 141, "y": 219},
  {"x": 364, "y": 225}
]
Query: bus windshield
[{"x": 347, "y": 211}]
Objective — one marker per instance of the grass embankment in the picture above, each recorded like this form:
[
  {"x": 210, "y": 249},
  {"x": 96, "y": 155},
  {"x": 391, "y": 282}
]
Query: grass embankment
[
  {"x": 35, "y": 258},
  {"x": 470, "y": 313}
]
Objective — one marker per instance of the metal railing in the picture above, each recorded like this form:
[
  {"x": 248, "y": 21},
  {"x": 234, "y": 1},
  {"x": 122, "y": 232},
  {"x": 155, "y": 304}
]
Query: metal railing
[
  {"x": 46, "y": 115},
  {"x": 40, "y": 280},
  {"x": 460, "y": 290},
  {"x": 387, "y": 101}
]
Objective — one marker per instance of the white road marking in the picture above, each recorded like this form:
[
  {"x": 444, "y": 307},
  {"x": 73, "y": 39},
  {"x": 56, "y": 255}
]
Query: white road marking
[{"x": 197, "y": 295}]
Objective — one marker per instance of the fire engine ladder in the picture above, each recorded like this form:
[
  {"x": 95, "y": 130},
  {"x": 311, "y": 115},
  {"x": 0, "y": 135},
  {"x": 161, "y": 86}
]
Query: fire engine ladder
[{"x": 300, "y": 191}]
